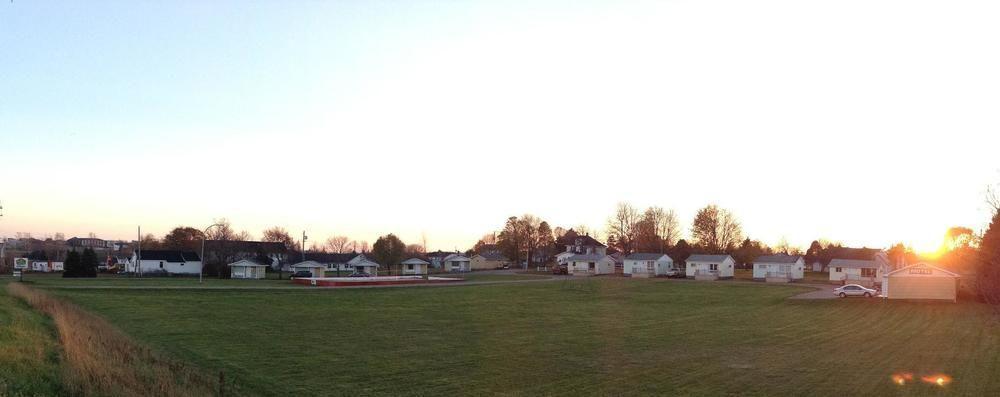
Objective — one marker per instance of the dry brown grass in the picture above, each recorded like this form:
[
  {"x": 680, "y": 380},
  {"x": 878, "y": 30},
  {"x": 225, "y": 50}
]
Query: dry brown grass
[{"x": 100, "y": 360}]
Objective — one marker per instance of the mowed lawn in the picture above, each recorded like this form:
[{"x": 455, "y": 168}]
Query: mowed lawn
[{"x": 591, "y": 337}]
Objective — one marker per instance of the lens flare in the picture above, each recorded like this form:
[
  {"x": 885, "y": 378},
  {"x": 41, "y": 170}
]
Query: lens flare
[
  {"x": 937, "y": 379},
  {"x": 902, "y": 378}
]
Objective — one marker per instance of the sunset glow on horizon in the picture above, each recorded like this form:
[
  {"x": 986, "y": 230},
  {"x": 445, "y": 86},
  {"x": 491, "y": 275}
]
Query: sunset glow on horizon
[{"x": 442, "y": 120}]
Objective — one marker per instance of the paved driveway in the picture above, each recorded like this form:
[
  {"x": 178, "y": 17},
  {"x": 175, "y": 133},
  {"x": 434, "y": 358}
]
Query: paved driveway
[{"x": 823, "y": 291}]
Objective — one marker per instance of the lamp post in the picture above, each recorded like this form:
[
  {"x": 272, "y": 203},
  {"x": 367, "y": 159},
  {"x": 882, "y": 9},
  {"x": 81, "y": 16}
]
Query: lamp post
[{"x": 204, "y": 236}]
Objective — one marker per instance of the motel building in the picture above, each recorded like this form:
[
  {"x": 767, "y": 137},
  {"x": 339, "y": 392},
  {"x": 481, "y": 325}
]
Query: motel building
[
  {"x": 710, "y": 267},
  {"x": 921, "y": 281},
  {"x": 647, "y": 265},
  {"x": 779, "y": 268}
]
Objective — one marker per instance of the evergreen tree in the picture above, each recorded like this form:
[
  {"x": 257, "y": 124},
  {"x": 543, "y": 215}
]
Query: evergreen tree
[
  {"x": 988, "y": 273},
  {"x": 71, "y": 266},
  {"x": 88, "y": 263}
]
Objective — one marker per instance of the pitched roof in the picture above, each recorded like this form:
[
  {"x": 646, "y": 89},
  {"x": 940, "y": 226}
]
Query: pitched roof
[
  {"x": 583, "y": 241},
  {"x": 456, "y": 257},
  {"x": 323, "y": 257},
  {"x": 439, "y": 254},
  {"x": 414, "y": 261},
  {"x": 265, "y": 247},
  {"x": 309, "y": 264},
  {"x": 246, "y": 262},
  {"x": 169, "y": 256},
  {"x": 707, "y": 258},
  {"x": 780, "y": 258},
  {"x": 639, "y": 256},
  {"x": 852, "y": 263},
  {"x": 493, "y": 256}
]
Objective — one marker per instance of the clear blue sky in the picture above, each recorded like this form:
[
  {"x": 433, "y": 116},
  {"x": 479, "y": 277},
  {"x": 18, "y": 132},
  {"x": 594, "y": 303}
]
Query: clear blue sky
[{"x": 862, "y": 121}]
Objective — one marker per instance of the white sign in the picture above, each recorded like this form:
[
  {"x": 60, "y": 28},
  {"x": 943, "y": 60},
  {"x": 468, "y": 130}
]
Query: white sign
[
  {"x": 20, "y": 263},
  {"x": 17, "y": 273}
]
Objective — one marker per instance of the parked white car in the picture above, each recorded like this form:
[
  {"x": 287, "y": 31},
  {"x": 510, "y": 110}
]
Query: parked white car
[{"x": 855, "y": 290}]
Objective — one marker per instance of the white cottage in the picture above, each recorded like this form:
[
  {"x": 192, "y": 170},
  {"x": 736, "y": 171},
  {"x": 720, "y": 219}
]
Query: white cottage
[
  {"x": 247, "y": 269},
  {"x": 854, "y": 271},
  {"x": 314, "y": 268},
  {"x": 710, "y": 267},
  {"x": 457, "y": 263},
  {"x": 362, "y": 265},
  {"x": 165, "y": 262},
  {"x": 779, "y": 268},
  {"x": 590, "y": 265},
  {"x": 648, "y": 265},
  {"x": 414, "y": 266}
]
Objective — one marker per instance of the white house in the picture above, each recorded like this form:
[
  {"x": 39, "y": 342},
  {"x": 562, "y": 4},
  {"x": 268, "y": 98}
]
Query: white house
[
  {"x": 817, "y": 266},
  {"x": 413, "y": 266},
  {"x": 590, "y": 265},
  {"x": 248, "y": 269},
  {"x": 647, "y": 265},
  {"x": 576, "y": 244},
  {"x": 315, "y": 269},
  {"x": 457, "y": 263},
  {"x": 362, "y": 265},
  {"x": 165, "y": 262},
  {"x": 854, "y": 271},
  {"x": 783, "y": 268},
  {"x": 710, "y": 267}
]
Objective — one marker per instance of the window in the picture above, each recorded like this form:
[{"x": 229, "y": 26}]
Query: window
[
  {"x": 838, "y": 269},
  {"x": 161, "y": 264},
  {"x": 714, "y": 266},
  {"x": 867, "y": 272},
  {"x": 409, "y": 267}
]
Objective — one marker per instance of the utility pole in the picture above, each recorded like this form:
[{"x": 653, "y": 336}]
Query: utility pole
[{"x": 304, "y": 238}]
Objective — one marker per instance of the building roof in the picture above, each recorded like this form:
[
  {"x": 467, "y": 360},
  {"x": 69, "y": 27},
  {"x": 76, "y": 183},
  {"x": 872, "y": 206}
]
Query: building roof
[
  {"x": 586, "y": 257},
  {"x": 365, "y": 262},
  {"x": 853, "y": 263},
  {"x": 246, "y": 263},
  {"x": 780, "y": 258},
  {"x": 639, "y": 256},
  {"x": 582, "y": 241},
  {"x": 493, "y": 256},
  {"x": 309, "y": 263},
  {"x": 264, "y": 247},
  {"x": 414, "y": 261},
  {"x": 169, "y": 256},
  {"x": 332, "y": 259},
  {"x": 439, "y": 254},
  {"x": 707, "y": 258},
  {"x": 456, "y": 257}
]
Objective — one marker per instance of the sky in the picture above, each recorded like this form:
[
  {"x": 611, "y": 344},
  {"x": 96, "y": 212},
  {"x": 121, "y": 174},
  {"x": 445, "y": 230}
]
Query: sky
[{"x": 866, "y": 122}]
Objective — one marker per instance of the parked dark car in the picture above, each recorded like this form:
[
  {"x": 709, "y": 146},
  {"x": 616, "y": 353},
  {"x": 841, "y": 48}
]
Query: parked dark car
[
  {"x": 302, "y": 273},
  {"x": 560, "y": 269}
]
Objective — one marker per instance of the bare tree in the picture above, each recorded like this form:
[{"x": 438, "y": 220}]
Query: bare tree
[
  {"x": 223, "y": 231},
  {"x": 360, "y": 246},
  {"x": 278, "y": 234},
  {"x": 623, "y": 226},
  {"x": 414, "y": 250},
  {"x": 716, "y": 229},
  {"x": 338, "y": 244},
  {"x": 993, "y": 199}
]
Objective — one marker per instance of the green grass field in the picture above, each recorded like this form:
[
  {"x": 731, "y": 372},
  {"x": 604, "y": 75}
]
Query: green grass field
[
  {"x": 104, "y": 280},
  {"x": 596, "y": 336},
  {"x": 29, "y": 351}
]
